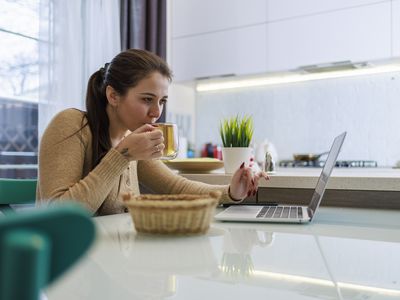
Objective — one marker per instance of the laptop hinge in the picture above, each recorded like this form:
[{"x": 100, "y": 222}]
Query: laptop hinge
[{"x": 310, "y": 212}]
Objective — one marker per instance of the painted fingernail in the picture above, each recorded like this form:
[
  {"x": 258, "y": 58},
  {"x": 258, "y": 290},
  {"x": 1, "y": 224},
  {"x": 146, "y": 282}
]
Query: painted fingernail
[
  {"x": 254, "y": 193},
  {"x": 242, "y": 165},
  {"x": 251, "y": 159}
]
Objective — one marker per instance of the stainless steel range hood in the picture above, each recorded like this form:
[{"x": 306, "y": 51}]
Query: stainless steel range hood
[{"x": 332, "y": 67}]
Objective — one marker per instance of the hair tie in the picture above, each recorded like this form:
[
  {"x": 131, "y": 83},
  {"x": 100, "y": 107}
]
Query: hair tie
[{"x": 103, "y": 72}]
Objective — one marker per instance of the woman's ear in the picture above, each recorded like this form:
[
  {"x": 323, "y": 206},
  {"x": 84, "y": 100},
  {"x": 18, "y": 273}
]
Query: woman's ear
[{"x": 112, "y": 96}]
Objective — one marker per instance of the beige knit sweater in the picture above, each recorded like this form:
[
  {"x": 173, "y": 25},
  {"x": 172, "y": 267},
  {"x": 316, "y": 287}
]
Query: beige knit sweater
[{"x": 64, "y": 171}]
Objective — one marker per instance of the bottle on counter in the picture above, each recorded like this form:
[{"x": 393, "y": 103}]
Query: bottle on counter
[
  {"x": 261, "y": 152},
  {"x": 269, "y": 164}
]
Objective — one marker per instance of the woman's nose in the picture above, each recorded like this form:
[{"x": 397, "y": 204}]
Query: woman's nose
[{"x": 155, "y": 111}]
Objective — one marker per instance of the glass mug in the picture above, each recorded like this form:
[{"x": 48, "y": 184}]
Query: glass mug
[{"x": 171, "y": 140}]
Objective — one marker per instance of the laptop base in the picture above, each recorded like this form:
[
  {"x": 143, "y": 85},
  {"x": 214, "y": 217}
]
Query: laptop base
[{"x": 253, "y": 213}]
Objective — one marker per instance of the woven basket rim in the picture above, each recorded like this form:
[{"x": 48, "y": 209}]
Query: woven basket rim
[
  {"x": 172, "y": 200},
  {"x": 172, "y": 197},
  {"x": 173, "y": 204}
]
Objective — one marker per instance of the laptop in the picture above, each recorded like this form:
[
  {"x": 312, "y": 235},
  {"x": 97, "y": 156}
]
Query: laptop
[{"x": 287, "y": 213}]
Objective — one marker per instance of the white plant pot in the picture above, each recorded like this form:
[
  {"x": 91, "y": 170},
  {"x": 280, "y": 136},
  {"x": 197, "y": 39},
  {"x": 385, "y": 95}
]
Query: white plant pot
[{"x": 233, "y": 157}]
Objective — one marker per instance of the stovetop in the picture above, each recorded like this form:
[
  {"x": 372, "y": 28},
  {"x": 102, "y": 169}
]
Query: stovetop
[{"x": 321, "y": 163}]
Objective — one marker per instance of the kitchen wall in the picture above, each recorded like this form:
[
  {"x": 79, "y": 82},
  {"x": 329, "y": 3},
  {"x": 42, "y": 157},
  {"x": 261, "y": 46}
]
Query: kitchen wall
[
  {"x": 305, "y": 117},
  {"x": 180, "y": 110},
  {"x": 300, "y": 117}
]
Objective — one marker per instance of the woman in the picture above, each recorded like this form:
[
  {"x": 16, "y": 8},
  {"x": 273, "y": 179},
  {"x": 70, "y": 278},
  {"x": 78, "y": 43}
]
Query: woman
[{"x": 95, "y": 156}]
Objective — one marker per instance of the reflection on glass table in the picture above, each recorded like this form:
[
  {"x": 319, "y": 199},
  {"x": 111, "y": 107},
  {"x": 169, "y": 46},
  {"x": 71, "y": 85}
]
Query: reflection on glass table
[
  {"x": 323, "y": 260},
  {"x": 237, "y": 246}
]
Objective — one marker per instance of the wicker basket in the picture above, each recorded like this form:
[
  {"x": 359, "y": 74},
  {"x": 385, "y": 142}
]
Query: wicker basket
[{"x": 172, "y": 214}]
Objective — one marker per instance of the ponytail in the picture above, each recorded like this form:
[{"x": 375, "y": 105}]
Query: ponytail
[{"x": 96, "y": 103}]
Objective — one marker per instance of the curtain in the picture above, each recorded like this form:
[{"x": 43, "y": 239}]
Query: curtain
[
  {"x": 77, "y": 38},
  {"x": 143, "y": 26}
]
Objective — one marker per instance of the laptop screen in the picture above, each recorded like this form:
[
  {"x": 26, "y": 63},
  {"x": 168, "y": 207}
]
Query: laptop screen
[{"x": 326, "y": 173}]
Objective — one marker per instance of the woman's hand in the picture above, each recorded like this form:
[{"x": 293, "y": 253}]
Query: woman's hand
[
  {"x": 244, "y": 183},
  {"x": 144, "y": 143}
]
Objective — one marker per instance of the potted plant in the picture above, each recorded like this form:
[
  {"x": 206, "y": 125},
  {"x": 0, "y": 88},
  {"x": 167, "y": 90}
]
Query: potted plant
[{"x": 236, "y": 134}]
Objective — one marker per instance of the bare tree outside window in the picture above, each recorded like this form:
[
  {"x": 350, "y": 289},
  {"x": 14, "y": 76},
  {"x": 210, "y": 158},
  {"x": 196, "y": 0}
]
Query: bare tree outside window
[
  {"x": 19, "y": 55},
  {"x": 19, "y": 87}
]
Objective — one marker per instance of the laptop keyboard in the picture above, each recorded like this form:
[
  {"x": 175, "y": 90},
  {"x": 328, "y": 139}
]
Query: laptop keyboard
[{"x": 281, "y": 212}]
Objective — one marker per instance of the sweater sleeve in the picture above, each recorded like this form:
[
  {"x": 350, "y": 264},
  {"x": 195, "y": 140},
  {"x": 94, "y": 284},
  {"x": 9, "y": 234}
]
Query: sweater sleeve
[
  {"x": 61, "y": 164},
  {"x": 156, "y": 176}
]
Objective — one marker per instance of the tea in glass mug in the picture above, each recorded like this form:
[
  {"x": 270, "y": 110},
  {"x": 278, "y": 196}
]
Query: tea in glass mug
[{"x": 171, "y": 142}]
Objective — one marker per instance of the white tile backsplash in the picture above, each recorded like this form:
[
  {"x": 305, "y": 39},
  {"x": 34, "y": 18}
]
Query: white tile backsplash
[
  {"x": 305, "y": 117},
  {"x": 183, "y": 121}
]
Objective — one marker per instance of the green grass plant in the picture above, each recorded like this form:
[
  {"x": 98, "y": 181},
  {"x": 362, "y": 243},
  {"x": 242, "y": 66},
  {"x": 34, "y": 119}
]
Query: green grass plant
[{"x": 236, "y": 131}]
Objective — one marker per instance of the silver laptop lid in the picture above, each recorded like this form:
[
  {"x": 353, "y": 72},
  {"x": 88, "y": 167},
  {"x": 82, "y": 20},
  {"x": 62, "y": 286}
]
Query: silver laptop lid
[{"x": 325, "y": 174}]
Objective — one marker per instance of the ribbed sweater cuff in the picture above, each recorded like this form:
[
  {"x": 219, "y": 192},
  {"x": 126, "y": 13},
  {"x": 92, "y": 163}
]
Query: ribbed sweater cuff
[
  {"x": 112, "y": 165},
  {"x": 225, "y": 198}
]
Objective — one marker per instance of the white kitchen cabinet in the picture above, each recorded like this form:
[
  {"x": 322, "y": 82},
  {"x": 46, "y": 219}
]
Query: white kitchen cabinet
[
  {"x": 213, "y": 38},
  {"x": 237, "y": 51},
  {"x": 284, "y": 9},
  {"x": 396, "y": 28},
  {"x": 356, "y": 34},
  {"x": 191, "y": 17}
]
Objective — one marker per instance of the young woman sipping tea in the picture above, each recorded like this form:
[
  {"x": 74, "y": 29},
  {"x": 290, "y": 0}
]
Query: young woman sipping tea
[{"x": 96, "y": 155}]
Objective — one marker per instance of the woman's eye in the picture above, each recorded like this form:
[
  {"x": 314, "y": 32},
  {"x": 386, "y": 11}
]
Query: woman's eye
[
  {"x": 147, "y": 99},
  {"x": 163, "y": 101}
]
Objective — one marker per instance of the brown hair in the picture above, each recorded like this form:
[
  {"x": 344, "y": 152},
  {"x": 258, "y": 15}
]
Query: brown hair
[{"x": 124, "y": 72}]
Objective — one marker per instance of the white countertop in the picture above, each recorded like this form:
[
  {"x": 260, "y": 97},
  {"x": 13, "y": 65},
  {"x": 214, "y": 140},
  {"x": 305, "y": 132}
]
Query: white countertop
[
  {"x": 374, "y": 179},
  {"x": 368, "y": 179},
  {"x": 343, "y": 254}
]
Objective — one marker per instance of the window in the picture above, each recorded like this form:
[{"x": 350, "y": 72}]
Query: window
[{"x": 19, "y": 87}]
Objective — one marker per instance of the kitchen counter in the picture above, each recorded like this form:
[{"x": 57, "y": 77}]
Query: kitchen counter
[
  {"x": 347, "y": 187},
  {"x": 342, "y": 254},
  {"x": 379, "y": 179}
]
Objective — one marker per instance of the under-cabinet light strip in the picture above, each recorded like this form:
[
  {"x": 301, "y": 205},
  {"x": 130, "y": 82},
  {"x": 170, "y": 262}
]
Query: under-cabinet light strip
[{"x": 291, "y": 78}]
